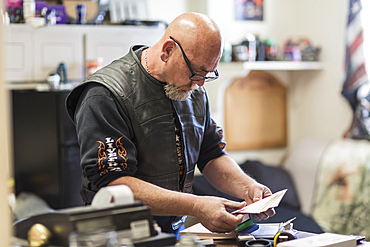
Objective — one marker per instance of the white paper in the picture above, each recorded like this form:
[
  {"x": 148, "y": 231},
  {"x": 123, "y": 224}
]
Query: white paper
[
  {"x": 202, "y": 232},
  {"x": 113, "y": 195},
  {"x": 263, "y": 204}
]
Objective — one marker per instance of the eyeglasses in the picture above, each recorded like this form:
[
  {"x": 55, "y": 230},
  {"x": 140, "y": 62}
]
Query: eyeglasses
[{"x": 194, "y": 76}]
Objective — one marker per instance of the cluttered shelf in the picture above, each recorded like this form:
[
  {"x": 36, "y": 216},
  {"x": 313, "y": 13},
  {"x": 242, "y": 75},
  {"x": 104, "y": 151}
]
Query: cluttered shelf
[
  {"x": 273, "y": 65},
  {"x": 282, "y": 65},
  {"x": 297, "y": 54}
]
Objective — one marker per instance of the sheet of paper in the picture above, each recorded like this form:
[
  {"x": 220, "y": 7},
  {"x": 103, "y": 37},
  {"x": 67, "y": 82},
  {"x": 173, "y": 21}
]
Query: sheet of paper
[
  {"x": 203, "y": 233},
  {"x": 263, "y": 204},
  {"x": 266, "y": 230}
]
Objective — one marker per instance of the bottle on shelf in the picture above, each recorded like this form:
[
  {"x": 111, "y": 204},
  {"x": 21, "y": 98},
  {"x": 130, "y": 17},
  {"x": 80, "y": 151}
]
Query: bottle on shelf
[
  {"x": 62, "y": 71},
  {"x": 92, "y": 66},
  {"x": 51, "y": 18},
  {"x": 251, "y": 42},
  {"x": 270, "y": 50},
  {"x": 260, "y": 47},
  {"x": 227, "y": 52},
  {"x": 29, "y": 9}
]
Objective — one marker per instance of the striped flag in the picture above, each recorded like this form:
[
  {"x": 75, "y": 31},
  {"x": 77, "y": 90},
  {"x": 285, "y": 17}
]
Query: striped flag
[{"x": 356, "y": 87}]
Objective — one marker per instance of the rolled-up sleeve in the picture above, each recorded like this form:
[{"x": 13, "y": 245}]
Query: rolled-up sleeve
[{"x": 104, "y": 136}]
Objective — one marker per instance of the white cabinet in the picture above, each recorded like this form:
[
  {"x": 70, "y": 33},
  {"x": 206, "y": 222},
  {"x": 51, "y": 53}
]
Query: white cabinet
[
  {"x": 31, "y": 54},
  {"x": 18, "y": 53},
  {"x": 112, "y": 42},
  {"x": 51, "y": 49},
  {"x": 108, "y": 46}
]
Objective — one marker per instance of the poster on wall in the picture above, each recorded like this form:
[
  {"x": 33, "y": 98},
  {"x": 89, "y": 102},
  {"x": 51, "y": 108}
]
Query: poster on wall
[{"x": 248, "y": 10}]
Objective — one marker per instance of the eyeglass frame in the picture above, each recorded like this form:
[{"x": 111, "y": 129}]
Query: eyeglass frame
[{"x": 193, "y": 74}]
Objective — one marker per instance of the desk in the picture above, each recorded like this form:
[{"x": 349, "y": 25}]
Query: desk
[{"x": 232, "y": 243}]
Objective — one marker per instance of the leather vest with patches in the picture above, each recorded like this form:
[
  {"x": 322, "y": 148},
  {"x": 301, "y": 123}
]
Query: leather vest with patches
[{"x": 143, "y": 100}]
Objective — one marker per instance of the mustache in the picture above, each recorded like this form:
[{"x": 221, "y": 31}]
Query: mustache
[
  {"x": 175, "y": 89},
  {"x": 194, "y": 86}
]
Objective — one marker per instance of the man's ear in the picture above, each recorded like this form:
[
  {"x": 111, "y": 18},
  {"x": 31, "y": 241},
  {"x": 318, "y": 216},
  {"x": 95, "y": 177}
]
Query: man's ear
[{"x": 167, "y": 50}]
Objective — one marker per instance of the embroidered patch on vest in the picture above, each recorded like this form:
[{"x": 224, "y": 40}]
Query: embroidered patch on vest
[{"x": 112, "y": 156}]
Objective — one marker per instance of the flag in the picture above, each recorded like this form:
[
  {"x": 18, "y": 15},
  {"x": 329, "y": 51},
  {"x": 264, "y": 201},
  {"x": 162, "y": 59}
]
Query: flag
[{"x": 356, "y": 87}]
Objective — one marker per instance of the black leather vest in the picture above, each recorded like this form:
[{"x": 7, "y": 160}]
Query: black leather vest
[{"x": 143, "y": 100}]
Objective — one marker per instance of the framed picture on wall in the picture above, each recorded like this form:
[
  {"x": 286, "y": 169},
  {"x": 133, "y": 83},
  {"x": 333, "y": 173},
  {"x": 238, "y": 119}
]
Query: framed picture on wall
[{"x": 248, "y": 10}]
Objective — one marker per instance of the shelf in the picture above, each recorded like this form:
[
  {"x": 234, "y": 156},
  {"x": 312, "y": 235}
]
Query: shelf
[
  {"x": 282, "y": 65},
  {"x": 40, "y": 86},
  {"x": 272, "y": 65}
]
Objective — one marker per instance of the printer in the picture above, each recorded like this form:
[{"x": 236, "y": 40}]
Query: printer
[{"x": 113, "y": 209}]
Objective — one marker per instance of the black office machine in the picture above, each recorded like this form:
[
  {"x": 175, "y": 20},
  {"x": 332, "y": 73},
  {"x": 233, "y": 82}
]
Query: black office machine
[{"x": 131, "y": 221}]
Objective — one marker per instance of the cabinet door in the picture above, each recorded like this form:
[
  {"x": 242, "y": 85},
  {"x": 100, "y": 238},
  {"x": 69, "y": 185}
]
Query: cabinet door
[
  {"x": 35, "y": 150},
  {"x": 52, "y": 48},
  {"x": 18, "y": 54},
  {"x": 108, "y": 46},
  {"x": 46, "y": 152},
  {"x": 115, "y": 44}
]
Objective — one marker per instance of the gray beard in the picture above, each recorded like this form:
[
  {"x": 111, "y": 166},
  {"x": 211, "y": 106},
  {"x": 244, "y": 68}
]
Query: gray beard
[{"x": 176, "y": 93}]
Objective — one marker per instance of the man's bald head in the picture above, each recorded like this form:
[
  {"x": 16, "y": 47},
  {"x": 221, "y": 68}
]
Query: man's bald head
[{"x": 195, "y": 32}]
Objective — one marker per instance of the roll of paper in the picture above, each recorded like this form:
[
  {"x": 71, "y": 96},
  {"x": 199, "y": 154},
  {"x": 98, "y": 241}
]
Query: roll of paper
[{"x": 113, "y": 195}]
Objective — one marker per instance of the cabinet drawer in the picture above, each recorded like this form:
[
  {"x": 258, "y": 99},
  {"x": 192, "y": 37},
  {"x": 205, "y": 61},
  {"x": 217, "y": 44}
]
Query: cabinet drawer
[
  {"x": 18, "y": 52},
  {"x": 53, "y": 48}
]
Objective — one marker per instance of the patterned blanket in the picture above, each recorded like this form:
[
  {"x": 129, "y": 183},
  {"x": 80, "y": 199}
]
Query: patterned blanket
[{"x": 342, "y": 191}]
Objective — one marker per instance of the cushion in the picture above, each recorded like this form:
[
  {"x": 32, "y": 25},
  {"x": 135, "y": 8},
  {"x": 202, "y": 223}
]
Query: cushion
[
  {"x": 276, "y": 179},
  {"x": 342, "y": 191},
  {"x": 301, "y": 163}
]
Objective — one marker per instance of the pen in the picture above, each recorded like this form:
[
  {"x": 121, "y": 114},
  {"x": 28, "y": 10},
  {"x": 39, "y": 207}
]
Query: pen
[{"x": 286, "y": 223}]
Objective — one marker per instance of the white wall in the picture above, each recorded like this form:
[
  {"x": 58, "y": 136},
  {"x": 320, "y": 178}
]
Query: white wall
[
  {"x": 277, "y": 22},
  {"x": 316, "y": 107},
  {"x": 165, "y": 10}
]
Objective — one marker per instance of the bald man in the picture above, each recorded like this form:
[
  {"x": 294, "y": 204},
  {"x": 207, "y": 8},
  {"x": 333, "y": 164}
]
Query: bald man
[{"x": 144, "y": 121}]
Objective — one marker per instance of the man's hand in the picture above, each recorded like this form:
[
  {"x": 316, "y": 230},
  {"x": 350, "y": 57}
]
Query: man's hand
[
  {"x": 256, "y": 192},
  {"x": 211, "y": 212}
]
